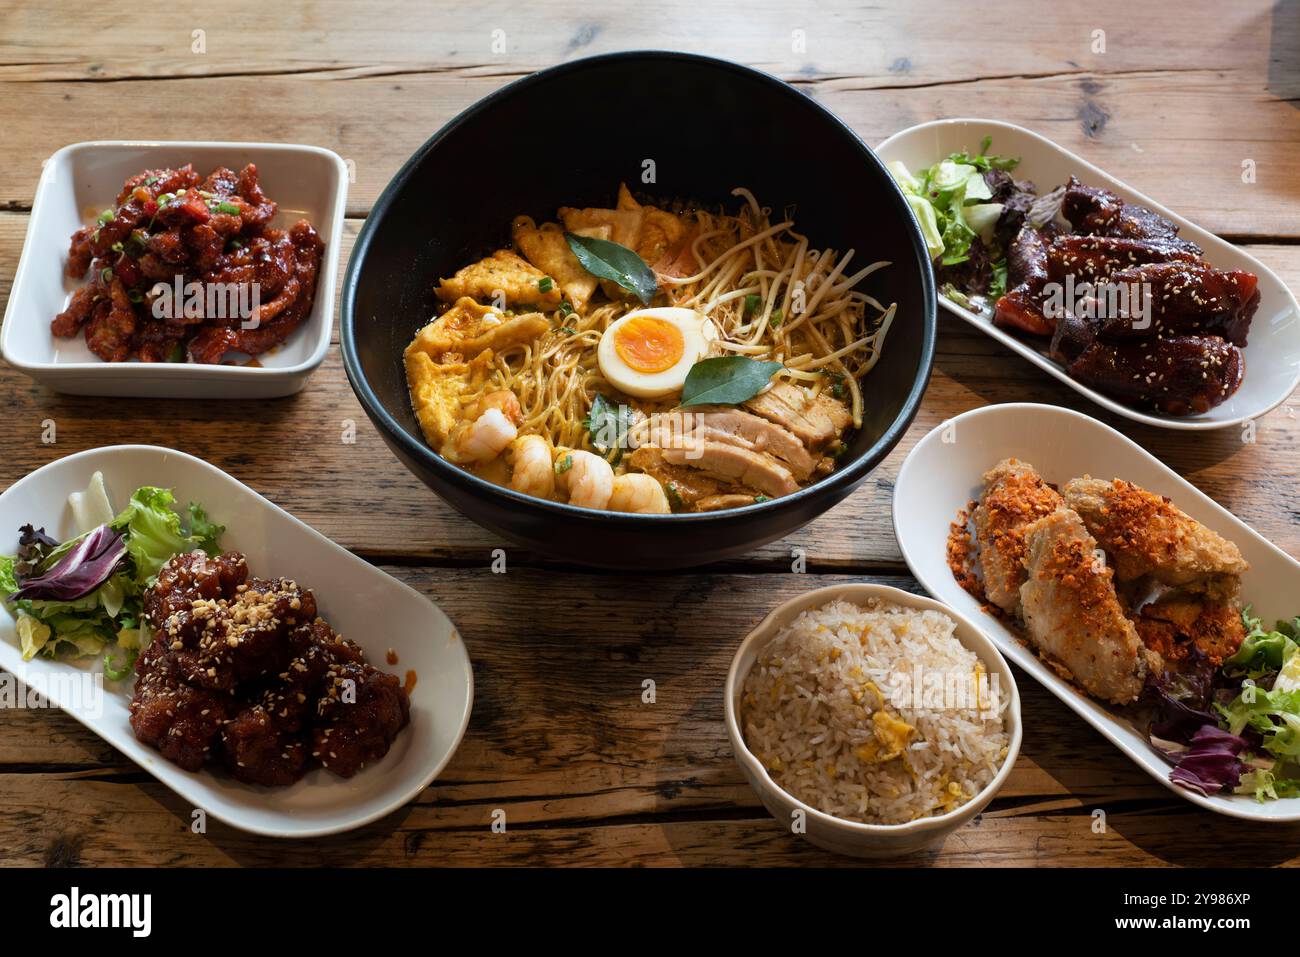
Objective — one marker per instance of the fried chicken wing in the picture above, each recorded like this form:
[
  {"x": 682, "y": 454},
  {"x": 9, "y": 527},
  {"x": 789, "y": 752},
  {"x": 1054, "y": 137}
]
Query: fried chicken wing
[
  {"x": 1014, "y": 496},
  {"x": 1071, "y": 611},
  {"x": 1181, "y": 627},
  {"x": 1145, "y": 534}
]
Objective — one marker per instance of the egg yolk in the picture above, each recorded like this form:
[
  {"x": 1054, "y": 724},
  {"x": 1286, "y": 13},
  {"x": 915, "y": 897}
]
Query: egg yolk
[{"x": 648, "y": 344}]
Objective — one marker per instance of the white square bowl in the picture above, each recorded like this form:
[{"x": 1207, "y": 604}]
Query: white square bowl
[{"x": 81, "y": 179}]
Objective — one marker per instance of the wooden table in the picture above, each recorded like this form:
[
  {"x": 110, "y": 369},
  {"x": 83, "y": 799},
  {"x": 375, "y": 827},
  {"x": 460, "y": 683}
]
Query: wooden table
[{"x": 560, "y": 739}]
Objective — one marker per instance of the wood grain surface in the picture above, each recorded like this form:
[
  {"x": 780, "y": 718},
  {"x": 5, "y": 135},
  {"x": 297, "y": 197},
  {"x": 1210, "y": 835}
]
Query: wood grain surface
[{"x": 560, "y": 740}]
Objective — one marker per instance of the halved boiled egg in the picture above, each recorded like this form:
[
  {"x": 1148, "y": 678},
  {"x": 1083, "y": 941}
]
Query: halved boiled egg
[{"x": 648, "y": 352}]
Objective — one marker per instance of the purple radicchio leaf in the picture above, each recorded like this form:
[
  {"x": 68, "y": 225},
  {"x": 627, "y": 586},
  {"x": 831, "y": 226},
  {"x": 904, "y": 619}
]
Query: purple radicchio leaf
[
  {"x": 80, "y": 571},
  {"x": 1211, "y": 763}
]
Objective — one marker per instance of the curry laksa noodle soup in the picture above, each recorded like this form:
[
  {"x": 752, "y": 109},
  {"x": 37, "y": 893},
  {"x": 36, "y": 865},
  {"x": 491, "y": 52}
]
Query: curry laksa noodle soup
[{"x": 650, "y": 359}]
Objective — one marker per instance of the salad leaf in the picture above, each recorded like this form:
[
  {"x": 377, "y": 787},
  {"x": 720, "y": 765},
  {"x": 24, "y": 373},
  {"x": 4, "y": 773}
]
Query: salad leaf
[
  {"x": 929, "y": 223},
  {"x": 32, "y": 636},
  {"x": 1267, "y": 786},
  {"x": 950, "y": 200},
  {"x": 154, "y": 533},
  {"x": 726, "y": 380},
  {"x": 80, "y": 571},
  {"x": 116, "y": 672},
  {"x": 1263, "y": 652},
  {"x": 609, "y": 260},
  {"x": 983, "y": 161},
  {"x": 205, "y": 534},
  {"x": 8, "y": 578},
  {"x": 1275, "y": 715},
  {"x": 34, "y": 547},
  {"x": 1211, "y": 763},
  {"x": 85, "y": 593}
]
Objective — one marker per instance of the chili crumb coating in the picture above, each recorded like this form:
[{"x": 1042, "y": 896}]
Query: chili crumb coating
[
  {"x": 1014, "y": 496},
  {"x": 242, "y": 673},
  {"x": 1146, "y": 534}
]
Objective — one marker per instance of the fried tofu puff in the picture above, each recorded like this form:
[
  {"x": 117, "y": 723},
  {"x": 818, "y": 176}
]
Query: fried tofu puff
[
  {"x": 507, "y": 273},
  {"x": 546, "y": 247},
  {"x": 437, "y": 391}
]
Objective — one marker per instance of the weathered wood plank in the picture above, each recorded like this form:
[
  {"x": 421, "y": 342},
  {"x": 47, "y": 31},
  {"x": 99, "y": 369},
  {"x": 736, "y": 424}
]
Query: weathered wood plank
[
  {"x": 584, "y": 770},
  {"x": 374, "y": 92},
  {"x": 896, "y": 42}
]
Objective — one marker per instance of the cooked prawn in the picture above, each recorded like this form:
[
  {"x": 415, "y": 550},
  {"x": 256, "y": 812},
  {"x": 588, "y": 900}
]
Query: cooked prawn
[
  {"x": 490, "y": 425},
  {"x": 531, "y": 470},
  {"x": 586, "y": 478},
  {"x": 638, "y": 492}
]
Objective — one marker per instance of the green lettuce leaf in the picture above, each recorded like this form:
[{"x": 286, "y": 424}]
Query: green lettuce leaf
[
  {"x": 154, "y": 533},
  {"x": 1262, "y": 652}
]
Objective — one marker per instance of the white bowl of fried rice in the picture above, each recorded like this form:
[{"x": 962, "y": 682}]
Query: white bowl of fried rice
[{"x": 870, "y": 720}]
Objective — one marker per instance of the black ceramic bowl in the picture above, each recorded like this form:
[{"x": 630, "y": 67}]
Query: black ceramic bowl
[{"x": 567, "y": 137}]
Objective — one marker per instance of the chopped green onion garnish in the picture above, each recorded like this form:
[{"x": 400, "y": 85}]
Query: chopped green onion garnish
[
  {"x": 776, "y": 318},
  {"x": 135, "y": 295},
  {"x": 752, "y": 302},
  {"x": 106, "y": 275},
  {"x": 563, "y": 465},
  {"x": 116, "y": 247},
  {"x": 228, "y": 207},
  {"x": 166, "y": 198},
  {"x": 760, "y": 499},
  {"x": 545, "y": 284},
  {"x": 106, "y": 217},
  {"x": 566, "y": 307},
  {"x": 674, "y": 496}
]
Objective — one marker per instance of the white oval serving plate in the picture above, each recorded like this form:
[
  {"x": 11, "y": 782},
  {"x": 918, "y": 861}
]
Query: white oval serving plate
[
  {"x": 360, "y": 601},
  {"x": 1273, "y": 354},
  {"x": 943, "y": 473},
  {"x": 306, "y": 181}
]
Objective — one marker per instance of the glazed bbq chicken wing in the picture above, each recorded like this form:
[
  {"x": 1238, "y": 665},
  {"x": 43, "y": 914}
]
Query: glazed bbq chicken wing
[
  {"x": 1014, "y": 496},
  {"x": 1099, "y": 212},
  {"x": 1145, "y": 534},
  {"x": 1072, "y": 614}
]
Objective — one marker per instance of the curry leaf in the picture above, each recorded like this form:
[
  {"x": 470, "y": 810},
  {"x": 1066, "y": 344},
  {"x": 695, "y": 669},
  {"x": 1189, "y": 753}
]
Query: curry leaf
[
  {"x": 608, "y": 423},
  {"x": 726, "y": 380},
  {"x": 609, "y": 260}
]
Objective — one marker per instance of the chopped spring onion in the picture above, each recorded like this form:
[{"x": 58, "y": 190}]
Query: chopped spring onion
[{"x": 545, "y": 284}]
